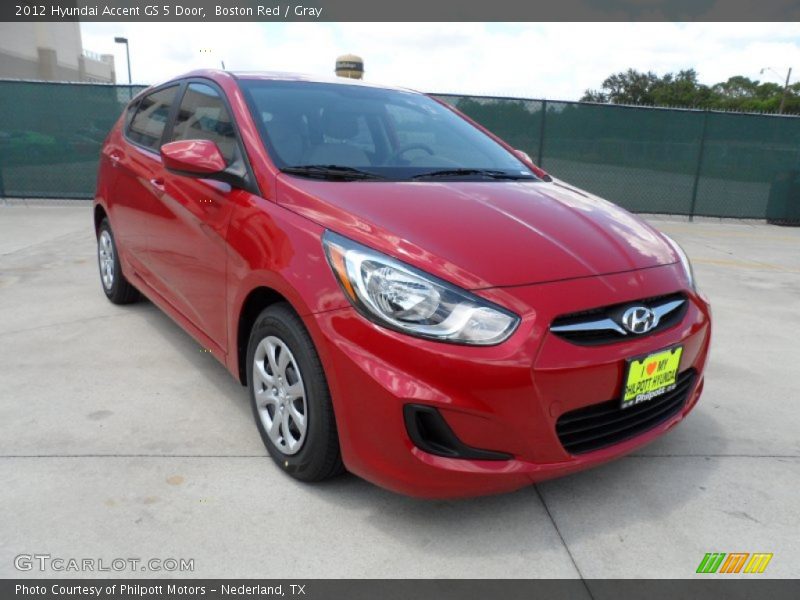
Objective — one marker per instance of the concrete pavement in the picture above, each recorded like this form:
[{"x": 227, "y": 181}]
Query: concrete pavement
[{"x": 121, "y": 438}]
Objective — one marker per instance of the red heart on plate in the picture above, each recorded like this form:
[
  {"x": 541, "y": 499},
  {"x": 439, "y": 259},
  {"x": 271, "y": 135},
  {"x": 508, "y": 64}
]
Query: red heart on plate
[{"x": 651, "y": 367}]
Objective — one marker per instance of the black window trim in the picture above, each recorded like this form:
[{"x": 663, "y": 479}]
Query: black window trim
[
  {"x": 130, "y": 112},
  {"x": 170, "y": 115},
  {"x": 251, "y": 184}
]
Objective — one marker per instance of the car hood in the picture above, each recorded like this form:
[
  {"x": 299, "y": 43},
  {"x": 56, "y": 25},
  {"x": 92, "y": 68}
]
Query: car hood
[{"x": 483, "y": 234}]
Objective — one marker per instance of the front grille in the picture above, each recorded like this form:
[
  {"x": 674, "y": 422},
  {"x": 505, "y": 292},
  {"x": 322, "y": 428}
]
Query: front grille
[
  {"x": 603, "y": 325},
  {"x": 600, "y": 425}
]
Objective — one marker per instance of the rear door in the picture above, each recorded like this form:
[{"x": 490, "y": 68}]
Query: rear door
[
  {"x": 139, "y": 184},
  {"x": 188, "y": 253}
]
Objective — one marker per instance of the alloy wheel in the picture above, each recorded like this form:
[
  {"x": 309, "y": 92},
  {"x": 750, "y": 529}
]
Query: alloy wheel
[
  {"x": 105, "y": 255},
  {"x": 280, "y": 395}
]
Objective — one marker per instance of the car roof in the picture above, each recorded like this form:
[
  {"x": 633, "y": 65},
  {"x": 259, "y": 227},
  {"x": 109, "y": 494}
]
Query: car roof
[
  {"x": 281, "y": 76},
  {"x": 218, "y": 74}
]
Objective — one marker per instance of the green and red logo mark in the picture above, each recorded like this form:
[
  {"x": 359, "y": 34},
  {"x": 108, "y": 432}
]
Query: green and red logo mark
[{"x": 734, "y": 562}]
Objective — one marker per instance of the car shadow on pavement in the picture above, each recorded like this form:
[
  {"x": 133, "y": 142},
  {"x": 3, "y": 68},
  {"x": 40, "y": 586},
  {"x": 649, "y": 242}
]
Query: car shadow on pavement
[
  {"x": 204, "y": 363},
  {"x": 521, "y": 519}
]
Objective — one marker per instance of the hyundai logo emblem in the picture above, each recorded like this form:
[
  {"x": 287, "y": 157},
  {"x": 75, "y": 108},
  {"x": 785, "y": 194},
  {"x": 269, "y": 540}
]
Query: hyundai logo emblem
[{"x": 639, "y": 319}]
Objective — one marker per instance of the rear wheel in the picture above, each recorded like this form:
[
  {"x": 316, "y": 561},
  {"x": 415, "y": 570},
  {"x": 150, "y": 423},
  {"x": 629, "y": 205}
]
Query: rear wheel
[
  {"x": 116, "y": 287},
  {"x": 290, "y": 398}
]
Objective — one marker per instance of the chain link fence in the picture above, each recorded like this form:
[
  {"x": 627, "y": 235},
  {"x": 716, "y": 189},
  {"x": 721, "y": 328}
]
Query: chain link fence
[
  {"x": 657, "y": 160},
  {"x": 51, "y": 135},
  {"x": 652, "y": 160}
]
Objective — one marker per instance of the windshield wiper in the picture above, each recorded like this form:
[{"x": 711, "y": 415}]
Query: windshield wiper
[
  {"x": 490, "y": 173},
  {"x": 330, "y": 172}
]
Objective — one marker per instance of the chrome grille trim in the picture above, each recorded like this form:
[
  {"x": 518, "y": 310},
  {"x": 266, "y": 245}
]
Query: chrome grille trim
[
  {"x": 597, "y": 325},
  {"x": 598, "y": 321},
  {"x": 664, "y": 309}
]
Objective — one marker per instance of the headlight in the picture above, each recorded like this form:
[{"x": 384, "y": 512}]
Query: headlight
[
  {"x": 401, "y": 297},
  {"x": 687, "y": 266}
]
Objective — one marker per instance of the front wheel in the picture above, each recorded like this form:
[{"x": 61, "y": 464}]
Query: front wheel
[
  {"x": 115, "y": 286},
  {"x": 290, "y": 398}
]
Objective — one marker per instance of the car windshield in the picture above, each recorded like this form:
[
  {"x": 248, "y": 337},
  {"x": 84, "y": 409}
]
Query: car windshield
[{"x": 354, "y": 132}]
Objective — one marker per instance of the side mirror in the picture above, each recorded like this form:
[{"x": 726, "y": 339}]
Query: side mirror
[{"x": 193, "y": 158}]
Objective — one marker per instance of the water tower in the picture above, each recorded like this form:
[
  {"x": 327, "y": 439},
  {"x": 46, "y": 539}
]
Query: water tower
[{"x": 350, "y": 65}]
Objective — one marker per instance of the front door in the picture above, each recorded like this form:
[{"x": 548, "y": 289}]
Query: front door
[{"x": 188, "y": 248}]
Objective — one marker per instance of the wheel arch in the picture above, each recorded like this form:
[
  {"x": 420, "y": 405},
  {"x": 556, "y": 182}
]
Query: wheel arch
[
  {"x": 256, "y": 301},
  {"x": 99, "y": 214}
]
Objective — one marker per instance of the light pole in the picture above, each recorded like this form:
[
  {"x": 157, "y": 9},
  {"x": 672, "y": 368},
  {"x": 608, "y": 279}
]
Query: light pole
[
  {"x": 122, "y": 40},
  {"x": 785, "y": 86}
]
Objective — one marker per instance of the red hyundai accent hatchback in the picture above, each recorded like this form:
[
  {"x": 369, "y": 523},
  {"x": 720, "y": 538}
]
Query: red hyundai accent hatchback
[{"x": 405, "y": 295}]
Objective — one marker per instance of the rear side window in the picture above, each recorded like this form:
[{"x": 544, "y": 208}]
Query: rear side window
[
  {"x": 129, "y": 112},
  {"x": 203, "y": 116},
  {"x": 148, "y": 123}
]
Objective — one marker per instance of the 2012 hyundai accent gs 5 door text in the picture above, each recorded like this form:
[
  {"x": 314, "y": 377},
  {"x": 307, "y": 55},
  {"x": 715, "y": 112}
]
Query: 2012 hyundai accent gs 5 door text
[{"x": 405, "y": 295}]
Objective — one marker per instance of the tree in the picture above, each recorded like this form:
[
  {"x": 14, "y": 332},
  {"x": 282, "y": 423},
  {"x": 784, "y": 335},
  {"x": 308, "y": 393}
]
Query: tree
[
  {"x": 629, "y": 87},
  {"x": 684, "y": 89}
]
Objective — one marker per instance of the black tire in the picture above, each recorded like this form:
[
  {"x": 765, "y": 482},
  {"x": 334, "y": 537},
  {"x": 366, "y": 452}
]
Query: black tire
[
  {"x": 120, "y": 291},
  {"x": 319, "y": 456}
]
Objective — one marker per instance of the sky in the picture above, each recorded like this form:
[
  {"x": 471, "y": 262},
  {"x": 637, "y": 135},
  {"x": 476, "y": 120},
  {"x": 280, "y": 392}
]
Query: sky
[{"x": 540, "y": 60}]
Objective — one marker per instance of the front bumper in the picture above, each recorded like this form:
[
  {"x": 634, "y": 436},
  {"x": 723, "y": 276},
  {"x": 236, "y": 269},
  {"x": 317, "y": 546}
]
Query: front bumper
[{"x": 505, "y": 398}]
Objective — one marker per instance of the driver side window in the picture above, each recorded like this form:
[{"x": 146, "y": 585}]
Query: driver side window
[{"x": 203, "y": 116}]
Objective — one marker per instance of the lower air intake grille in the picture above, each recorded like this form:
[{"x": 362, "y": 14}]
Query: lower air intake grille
[{"x": 600, "y": 425}]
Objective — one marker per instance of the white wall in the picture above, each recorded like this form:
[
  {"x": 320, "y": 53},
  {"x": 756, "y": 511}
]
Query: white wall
[
  {"x": 20, "y": 53},
  {"x": 23, "y": 39}
]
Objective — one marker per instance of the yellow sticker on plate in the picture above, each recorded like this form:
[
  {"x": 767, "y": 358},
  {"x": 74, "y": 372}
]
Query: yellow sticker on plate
[{"x": 651, "y": 376}]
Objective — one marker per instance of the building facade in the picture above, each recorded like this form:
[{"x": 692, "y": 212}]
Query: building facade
[{"x": 51, "y": 52}]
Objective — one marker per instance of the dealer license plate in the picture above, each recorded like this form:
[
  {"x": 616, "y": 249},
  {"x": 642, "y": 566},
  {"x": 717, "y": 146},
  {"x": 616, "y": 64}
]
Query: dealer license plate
[{"x": 650, "y": 377}]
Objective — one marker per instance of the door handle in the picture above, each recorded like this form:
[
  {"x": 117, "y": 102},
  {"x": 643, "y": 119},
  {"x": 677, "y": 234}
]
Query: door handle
[{"x": 157, "y": 184}]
